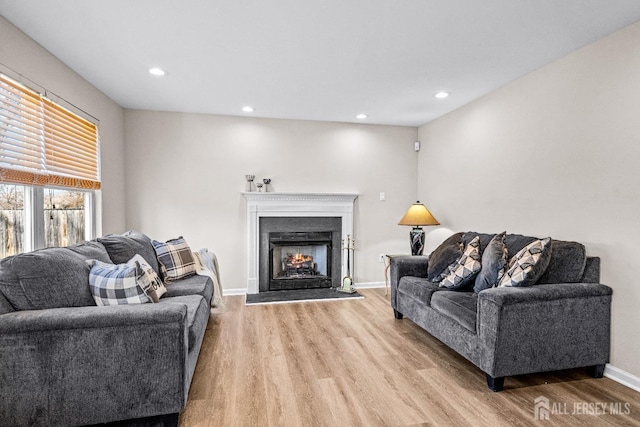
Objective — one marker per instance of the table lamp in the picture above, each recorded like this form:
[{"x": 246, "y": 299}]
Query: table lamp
[{"x": 416, "y": 216}]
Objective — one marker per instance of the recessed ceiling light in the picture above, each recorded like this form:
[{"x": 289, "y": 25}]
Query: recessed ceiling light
[
  {"x": 361, "y": 116},
  {"x": 247, "y": 109},
  {"x": 441, "y": 95},
  {"x": 157, "y": 71}
]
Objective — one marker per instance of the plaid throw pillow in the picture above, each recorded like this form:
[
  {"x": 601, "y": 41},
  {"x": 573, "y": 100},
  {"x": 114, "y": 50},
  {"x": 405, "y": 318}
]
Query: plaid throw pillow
[
  {"x": 113, "y": 284},
  {"x": 175, "y": 259},
  {"x": 148, "y": 278},
  {"x": 465, "y": 269}
]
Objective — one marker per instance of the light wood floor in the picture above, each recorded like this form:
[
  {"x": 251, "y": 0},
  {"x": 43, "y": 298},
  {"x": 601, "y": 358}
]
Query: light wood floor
[{"x": 350, "y": 363}]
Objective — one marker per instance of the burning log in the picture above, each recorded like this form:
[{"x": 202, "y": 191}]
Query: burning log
[{"x": 298, "y": 264}]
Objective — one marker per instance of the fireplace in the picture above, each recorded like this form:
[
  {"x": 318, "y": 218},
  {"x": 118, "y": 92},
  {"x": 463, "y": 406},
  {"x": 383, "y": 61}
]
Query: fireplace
[
  {"x": 299, "y": 260},
  {"x": 299, "y": 253},
  {"x": 267, "y": 205}
]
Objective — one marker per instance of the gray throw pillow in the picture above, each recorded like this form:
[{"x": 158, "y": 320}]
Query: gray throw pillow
[
  {"x": 444, "y": 256},
  {"x": 494, "y": 262},
  {"x": 528, "y": 265},
  {"x": 122, "y": 247},
  {"x": 567, "y": 264}
]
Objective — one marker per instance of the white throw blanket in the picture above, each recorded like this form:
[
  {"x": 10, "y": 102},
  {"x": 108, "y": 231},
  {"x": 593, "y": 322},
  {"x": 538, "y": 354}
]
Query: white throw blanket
[{"x": 207, "y": 265}]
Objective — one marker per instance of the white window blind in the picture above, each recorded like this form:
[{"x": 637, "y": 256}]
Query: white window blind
[{"x": 44, "y": 144}]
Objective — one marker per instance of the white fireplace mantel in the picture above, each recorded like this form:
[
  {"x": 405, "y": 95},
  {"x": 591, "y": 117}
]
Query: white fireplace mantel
[{"x": 291, "y": 205}]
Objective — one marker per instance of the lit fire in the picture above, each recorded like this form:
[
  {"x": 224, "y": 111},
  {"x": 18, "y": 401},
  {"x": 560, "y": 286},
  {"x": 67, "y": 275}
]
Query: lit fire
[{"x": 300, "y": 258}]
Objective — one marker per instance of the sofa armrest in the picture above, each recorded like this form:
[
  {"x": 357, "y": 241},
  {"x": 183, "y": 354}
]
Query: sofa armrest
[
  {"x": 405, "y": 265},
  {"x": 89, "y": 317},
  {"x": 89, "y": 365},
  {"x": 543, "y": 327},
  {"x": 543, "y": 292}
]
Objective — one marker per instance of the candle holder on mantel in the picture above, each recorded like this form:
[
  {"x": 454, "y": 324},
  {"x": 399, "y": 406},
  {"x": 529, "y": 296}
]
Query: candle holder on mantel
[
  {"x": 250, "y": 185},
  {"x": 259, "y": 185}
]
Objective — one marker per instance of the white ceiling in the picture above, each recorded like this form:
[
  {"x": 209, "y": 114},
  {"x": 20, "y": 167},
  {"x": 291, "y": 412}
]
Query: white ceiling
[{"x": 312, "y": 59}]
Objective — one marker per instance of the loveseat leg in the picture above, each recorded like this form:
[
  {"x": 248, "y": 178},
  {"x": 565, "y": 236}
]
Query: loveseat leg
[
  {"x": 171, "y": 420},
  {"x": 397, "y": 314},
  {"x": 596, "y": 371},
  {"x": 495, "y": 384}
]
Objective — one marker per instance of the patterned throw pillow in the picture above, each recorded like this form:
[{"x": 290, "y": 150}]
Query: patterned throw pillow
[
  {"x": 175, "y": 259},
  {"x": 465, "y": 268},
  {"x": 148, "y": 279},
  {"x": 528, "y": 265},
  {"x": 443, "y": 257},
  {"x": 494, "y": 263},
  {"x": 114, "y": 284}
]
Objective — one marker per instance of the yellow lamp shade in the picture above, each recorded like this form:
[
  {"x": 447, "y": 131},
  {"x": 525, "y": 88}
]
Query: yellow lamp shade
[{"x": 418, "y": 215}]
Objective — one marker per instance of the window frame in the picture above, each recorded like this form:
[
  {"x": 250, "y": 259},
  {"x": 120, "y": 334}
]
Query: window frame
[{"x": 34, "y": 192}]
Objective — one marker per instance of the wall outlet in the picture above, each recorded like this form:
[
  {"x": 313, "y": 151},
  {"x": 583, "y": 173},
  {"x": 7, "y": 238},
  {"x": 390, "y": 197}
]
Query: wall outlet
[{"x": 381, "y": 257}]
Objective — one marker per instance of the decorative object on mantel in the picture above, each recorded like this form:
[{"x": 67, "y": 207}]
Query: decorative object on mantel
[
  {"x": 347, "y": 281},
  {"x": 266, "y": 181},
  {"x": 417, "y": 216},
  {"x": 259, "y": 185},
  {"x": 250, "y": 184}
]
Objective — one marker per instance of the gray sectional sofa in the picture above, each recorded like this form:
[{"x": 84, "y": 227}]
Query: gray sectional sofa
[
  {"x": 561, "y": 321},
  {"x": 66, "y": 362}
]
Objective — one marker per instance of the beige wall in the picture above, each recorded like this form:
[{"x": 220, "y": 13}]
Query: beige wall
[
  {"x": 27, "y": 58},
  {"x": 555, "y": 153},
  {"x": 185, "y": 173}
]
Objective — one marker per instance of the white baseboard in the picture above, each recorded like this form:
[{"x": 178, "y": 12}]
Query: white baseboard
[
  {"x": 622, "y": 377},
  {"x": 235, "y": 291},
  {"x": 368, "y": 285}
]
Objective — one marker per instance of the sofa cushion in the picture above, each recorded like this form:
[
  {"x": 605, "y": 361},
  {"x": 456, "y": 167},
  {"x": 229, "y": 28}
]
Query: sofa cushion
[
  {"x": 50, "y": 278},
  {"x": 443, "y": 256},
  {"x": 516, "y": 242},
  {"x": 458, "y": 306},
  {"x": 197, "y": 315},
  {"x": 90, "y": 250},
  {"x": 484, "y": 239},
  {"x": 465, "y": 268},
  {"x": 5, "y": 305},
  {"x": 115, "y": 284},
  {"x": 494, "y": 262},
  {"x": 175, "y": 259},
  {"x": 122, "y": 247},
  {"x": 567, "y": 264},
  {"x": 418, "y": 289},
  {"x": 192, "y": 285},
  {"x": 528, "y": 265}
]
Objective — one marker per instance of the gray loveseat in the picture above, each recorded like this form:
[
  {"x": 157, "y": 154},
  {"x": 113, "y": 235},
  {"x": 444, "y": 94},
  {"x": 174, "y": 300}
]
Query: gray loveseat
[
  {"x": 560, "y": 322},
  {"x": 65, "y": 361}
]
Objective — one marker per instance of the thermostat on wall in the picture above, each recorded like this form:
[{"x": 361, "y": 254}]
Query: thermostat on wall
[{"x": 416, "y": 145}]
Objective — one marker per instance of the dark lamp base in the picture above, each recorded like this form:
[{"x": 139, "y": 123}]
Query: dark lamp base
[{"x": 416, "y": 236}]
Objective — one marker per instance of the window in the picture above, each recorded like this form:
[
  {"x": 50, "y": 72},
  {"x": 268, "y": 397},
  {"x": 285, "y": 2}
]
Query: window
[
  {"x": 11, "y": 219},
  {"x": 49, "y": 172}
]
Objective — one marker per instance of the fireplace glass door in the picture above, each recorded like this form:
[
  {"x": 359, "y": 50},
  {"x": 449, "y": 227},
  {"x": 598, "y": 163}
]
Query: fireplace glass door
[{"x": 299, "y": 260}]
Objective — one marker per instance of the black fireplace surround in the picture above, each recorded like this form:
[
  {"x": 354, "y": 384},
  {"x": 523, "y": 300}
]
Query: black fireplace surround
[{"x": 299, "y": 253}]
